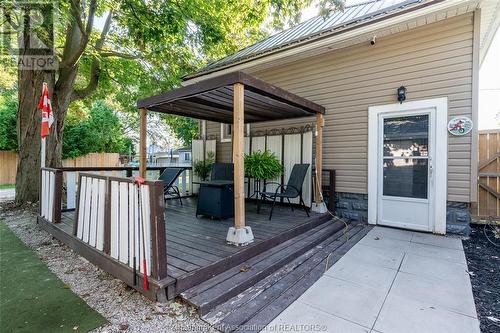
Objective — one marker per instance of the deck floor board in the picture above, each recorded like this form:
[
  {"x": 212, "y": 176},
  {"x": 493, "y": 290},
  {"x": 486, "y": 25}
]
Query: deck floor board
[{"x": 194, "y": 243}]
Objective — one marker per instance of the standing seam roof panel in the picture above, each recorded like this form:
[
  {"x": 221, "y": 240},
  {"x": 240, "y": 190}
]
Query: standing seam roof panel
[{"x": 312, "y": 27}]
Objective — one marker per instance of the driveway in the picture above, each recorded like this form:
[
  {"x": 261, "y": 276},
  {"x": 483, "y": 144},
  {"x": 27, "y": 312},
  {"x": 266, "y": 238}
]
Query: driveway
[
  {"x": 7, "y": 194},
  {"x": 391, "y": 281}
]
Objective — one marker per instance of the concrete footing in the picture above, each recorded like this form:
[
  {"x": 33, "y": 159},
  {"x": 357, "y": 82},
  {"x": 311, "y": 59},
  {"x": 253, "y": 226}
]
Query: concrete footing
[{"x": 239, "y": 237}]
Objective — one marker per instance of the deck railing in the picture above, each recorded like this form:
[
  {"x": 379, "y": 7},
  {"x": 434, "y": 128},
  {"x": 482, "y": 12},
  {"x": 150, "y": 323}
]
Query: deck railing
[
  {"x": 50, "y": 194},
  {"x": 118, "y": 224},
  {"x": 124, "y": 220},
  {"x": 71, "y": 175}
]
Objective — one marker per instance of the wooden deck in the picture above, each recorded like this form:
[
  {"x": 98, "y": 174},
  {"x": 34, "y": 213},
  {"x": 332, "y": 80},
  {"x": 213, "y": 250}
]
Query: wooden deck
[{"x": 197, "y": 249}]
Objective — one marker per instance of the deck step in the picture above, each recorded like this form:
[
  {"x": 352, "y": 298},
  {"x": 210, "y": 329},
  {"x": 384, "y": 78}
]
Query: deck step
[
  {"x": 222, "y": 287},
  {"x": 256, "y": 306}
]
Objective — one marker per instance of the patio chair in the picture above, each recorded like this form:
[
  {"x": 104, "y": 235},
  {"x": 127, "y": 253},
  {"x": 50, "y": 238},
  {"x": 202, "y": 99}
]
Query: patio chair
[
  {"x": 291, "y": 190},
  {"x": 169, "y": 176}
]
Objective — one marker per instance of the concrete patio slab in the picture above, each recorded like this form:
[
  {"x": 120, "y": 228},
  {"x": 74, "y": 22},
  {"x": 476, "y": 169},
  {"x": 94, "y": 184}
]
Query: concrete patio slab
[
  {"x": 385, "y": 243},
  {"x": 383, "y": 257},
  {"x": 310, "y": 319},
  {"x": 369, "y": 275},
  {"x": 402, "y": 314},
  {"x": 436, "y": 292},
  {"x": 347, "y": 300},
  {"x": 391, "y": 233},
  {"x": 431, "y": 251},
  {"x": 447, "y": 242},
  {"x": 393, "y": 281},
  {"x": 450, "y": 271}
]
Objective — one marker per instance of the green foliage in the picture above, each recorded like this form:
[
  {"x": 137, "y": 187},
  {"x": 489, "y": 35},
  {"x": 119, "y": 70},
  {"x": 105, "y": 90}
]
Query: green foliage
[
  {"x": 185, "y": 129},
  {"x": 262, "y": 165},
  {"x": 99, "y": 131},
  {"x": 8, "y": 105},
  {"x": 8, "y": 115},
  {"x": 153, "y": 44},
  {"x": 202, "y": 168}
]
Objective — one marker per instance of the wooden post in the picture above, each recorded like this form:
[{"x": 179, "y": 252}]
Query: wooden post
[
  {"x": 239, "y": 234},
  {"x": 56, "y": 208},
  {"x": 158, "y": 235},
  {"x": 320, "y": 123},
  {"x": 238, "y": 156},
  {"x": 142, "y": 144}
]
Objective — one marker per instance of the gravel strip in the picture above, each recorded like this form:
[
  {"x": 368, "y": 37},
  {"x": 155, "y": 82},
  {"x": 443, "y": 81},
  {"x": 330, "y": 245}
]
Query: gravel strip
[
  {"x": 126, "y": 309},
  {"x": 483, "y": 260}
]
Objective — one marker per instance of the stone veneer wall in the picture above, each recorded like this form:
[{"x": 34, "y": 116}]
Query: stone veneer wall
[{"x": 354, "y": 206}]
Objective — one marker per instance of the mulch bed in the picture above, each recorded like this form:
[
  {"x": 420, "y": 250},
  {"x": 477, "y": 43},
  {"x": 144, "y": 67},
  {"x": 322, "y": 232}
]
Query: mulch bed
[{"x": 483, "y": 259}]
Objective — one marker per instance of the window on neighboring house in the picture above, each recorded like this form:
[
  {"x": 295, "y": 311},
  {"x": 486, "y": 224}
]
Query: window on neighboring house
[
  {"x": 226, "y": 132},
  {"x": 187, "y": 156}
]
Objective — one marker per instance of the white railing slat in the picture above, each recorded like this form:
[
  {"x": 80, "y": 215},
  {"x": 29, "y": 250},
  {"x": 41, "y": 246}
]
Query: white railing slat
[
  {"x": 115, "y": 218},
  {"x": 101, "y": 214},
  {"x": 93, "y": 212},
  {"x": 123, "y": 223}
]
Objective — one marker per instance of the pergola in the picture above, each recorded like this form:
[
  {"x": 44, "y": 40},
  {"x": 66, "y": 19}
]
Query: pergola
[{"x": 235, "y": 98}]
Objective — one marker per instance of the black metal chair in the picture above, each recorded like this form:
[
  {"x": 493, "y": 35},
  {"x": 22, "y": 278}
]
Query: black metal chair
[
  {"x": 169, "y": 176},
  {"x": 291, "y": 190}
]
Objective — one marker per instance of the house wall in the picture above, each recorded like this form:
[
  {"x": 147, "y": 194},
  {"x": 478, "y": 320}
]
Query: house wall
[{"x": 431, "y": 61}]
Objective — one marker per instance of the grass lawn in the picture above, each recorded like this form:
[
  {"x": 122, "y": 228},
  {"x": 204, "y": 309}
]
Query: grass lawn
[
  {"x": 33, "y": 299},
  {"x": 7, "y": 186}
]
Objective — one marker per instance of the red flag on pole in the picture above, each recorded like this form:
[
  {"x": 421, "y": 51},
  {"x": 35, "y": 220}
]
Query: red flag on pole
[{"x": 46, "y": 108}]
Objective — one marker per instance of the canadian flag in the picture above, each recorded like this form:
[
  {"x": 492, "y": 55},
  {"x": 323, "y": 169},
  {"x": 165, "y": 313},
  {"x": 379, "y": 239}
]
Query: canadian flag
[{"x": 46, "y": 108}]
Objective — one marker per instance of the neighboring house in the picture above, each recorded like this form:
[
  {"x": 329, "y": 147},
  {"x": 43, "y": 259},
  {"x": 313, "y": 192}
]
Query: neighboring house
[
  {"x": 396, "y": 164},
  {"x": 184, "y": 155},
  {"x": 174, "y": 156}
]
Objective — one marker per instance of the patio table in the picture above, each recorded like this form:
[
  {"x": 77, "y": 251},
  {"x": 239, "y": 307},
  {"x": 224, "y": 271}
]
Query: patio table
[{"x": 216, "y": 199}]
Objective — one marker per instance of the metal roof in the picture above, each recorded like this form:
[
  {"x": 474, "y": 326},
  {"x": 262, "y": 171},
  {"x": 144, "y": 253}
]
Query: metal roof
[{"x": 313, "y": 27}]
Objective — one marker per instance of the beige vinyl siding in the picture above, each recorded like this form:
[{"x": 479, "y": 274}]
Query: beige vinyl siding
[{"x": 430, "y": 61}]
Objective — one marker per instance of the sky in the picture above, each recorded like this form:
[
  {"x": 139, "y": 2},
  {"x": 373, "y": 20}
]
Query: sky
[{"x": 489, "y": 87}]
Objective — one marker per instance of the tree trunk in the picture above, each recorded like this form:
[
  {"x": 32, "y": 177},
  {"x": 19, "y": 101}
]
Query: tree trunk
[
  {"x": 28, "y": 127},
  {"x": 61, "y": 93},
  {"x": 28, "y": 133}
]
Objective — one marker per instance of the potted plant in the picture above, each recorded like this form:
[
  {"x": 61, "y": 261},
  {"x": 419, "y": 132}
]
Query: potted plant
[
  {"x": 202, "y": 168},
  {"x": 262, "y": 165}
]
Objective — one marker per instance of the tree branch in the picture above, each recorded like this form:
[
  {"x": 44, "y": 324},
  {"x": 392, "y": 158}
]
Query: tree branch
[
  {"x": 95, "y": 69},
  {"x": 77, "y": 14},
  {"x": 85, "y": 35},
  {"x": 118, "y": 54}
]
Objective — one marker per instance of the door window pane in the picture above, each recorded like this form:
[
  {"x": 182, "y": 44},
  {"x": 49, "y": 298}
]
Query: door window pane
[
  {"x": 405, "y": 177},
  {"x": 406, "y": 136}
]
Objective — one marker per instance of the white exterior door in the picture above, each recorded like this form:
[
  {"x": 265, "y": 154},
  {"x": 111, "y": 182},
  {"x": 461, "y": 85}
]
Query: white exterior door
[
  {"x": 405, "y": 169},
  {"x": 407, "y": 165}
]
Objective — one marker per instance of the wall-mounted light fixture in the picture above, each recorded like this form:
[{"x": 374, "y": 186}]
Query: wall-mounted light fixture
[{"x": 401, "y": 94}]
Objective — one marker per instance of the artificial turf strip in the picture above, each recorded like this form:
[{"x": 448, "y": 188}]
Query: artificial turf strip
[{"x": 32, "y": 298}]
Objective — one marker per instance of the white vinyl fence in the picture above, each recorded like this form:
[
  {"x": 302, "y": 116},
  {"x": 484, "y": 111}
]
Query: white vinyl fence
[{"x": 290, "y": 149}]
